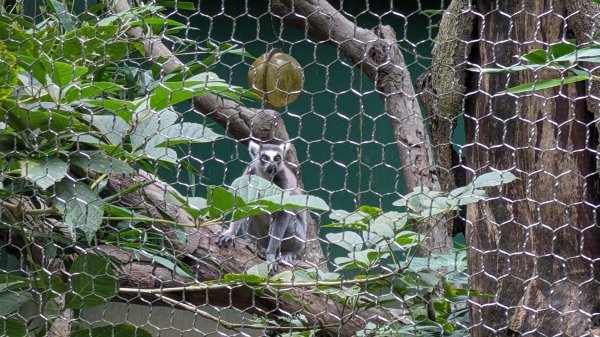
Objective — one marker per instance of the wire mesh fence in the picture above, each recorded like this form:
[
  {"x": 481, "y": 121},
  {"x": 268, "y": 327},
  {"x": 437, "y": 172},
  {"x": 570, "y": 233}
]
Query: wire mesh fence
[{"x": 299, "y": 168}]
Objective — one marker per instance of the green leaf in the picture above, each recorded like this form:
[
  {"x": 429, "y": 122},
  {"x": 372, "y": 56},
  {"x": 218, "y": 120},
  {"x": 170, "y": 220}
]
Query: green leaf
[
  {"x": 177, "y": 4},
  {"x": 158, "y": 153},
  {"x": 89, "y": 90},
  {"x": 16, "y": 40},
  {"x": 432, "y": 11},
  {"x": 494, "y": 179},
  {"x": 99, "y": 162},
  {"x": 13, "y": 282},
  {"x": 82, "y": 207},
  {"x": 61, "y": 73},
  {"x": 346, "y": 217},
  {"x": 261, "y": 269},
  {"x": 92, "y": 282},
  {"x": 537, "y": 56},
  {"x": 120, "y": 108},
  {"x": 171, "y": 266},
  {"x": 93, "y": 44},
  {"x": 12, "y": 301},
  {"x": 580, "y": 53},
  {"x": 253, "y": 187},
  {"x": 43, "y": 172},
  {"x": 8, "y": 72},
  {"x": 184, "y": 133},
  {"x": 38, "y": 116},
  {"x": 253, "y": 276},
  {"x": 171, "y": 93},
  {"x": 560, "y": 49},
  {"x": 119, "y": 330},
  {"x": 382, "y": 227},
  {"x": 149, "y": 125},
  {"x": 113, "y": 128},
  {"x": 62, "y": 12},
  {"x": 407, "y": 239},
  {"x": 466, "y": 195},
  {"x": 350, "y": 241},
  {"x": 506, "y": 70},
  {"x": 296, "y": 202},
  {"x": 13, "y": 327},
  {"x": 540, "y": 85},
  {"x": 220, "y": 200}
]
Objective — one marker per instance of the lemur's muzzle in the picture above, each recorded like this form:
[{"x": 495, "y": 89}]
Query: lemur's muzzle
[{"x": 271, "y": 168}]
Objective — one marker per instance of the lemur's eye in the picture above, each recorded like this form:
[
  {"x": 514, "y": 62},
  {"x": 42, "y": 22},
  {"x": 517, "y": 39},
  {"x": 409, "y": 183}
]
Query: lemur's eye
[
  {"x": 264, "y": 157},
  {"x": 277, "y": 158}
]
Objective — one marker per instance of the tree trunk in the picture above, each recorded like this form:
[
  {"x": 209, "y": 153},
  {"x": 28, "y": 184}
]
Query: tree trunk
[{"x": 532, "y": 245}]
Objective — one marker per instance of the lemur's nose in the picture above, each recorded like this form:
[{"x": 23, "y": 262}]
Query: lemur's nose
[{"x": 271, "y": 168}]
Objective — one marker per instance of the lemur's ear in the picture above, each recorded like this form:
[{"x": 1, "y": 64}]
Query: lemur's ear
[
  {"x": 285, "y": 147},
  {"x": 253, "y": 148}
]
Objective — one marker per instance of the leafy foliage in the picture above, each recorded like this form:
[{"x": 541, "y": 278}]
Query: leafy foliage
[
  {"x": 76, "y": 111},
  {"x": 563, "y": 57}
]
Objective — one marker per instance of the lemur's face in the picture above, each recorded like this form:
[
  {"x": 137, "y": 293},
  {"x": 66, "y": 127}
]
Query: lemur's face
[
  {"x": 271, "y": 161},
  {"x": 269, "y": 157}
]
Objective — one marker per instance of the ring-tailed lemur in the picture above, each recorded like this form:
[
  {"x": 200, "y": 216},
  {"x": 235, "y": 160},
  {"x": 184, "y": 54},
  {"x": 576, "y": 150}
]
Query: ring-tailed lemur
[{"x": 283, "y": 232}]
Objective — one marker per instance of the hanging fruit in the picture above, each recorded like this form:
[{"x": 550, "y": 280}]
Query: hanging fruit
[{"x": 277, "y": 78}]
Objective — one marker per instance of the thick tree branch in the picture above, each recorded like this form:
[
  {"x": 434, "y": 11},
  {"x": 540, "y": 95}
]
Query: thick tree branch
[{"x": 379, "y": 57}]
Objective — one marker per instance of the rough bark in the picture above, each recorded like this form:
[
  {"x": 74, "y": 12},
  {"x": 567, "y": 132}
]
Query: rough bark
[
  {"x": 442, "y": 89},
  {"x": 377, "y": 54},
  {"x": 442, "y": 92},
  {"x": 584, "y": 21},
  {"x": 534, "y": 246}
]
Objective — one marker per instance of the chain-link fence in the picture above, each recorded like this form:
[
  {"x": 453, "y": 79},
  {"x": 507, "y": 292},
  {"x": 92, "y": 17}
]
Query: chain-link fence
[{"x": 350, "y": 168}]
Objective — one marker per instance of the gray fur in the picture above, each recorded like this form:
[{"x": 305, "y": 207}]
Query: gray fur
[{"x": 281, "y": 235}]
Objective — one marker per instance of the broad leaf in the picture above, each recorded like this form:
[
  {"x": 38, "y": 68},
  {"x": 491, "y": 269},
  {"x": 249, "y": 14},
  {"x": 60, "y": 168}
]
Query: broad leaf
[
  {"x": 91, "y": 44},
  {"x": 100, "y": 162},
  {"x": 184, "y": 133},
  {"x": 149, "y": 126},
  {"x": 350, "y": 241},
  {"x": 8, "y": 72},
  {"x": 580, "y": 53},
  {"x": 296, "y": 202},
  {"x": 16, "y": 40},
  {"x": 493, "y": 179},
  {"x": 13, "y": 327},
  {"x": 82, "y": 207},
  {"x": 92, "y": 282},
  {"x": 537, "y": 56},
  {"x": 252, "y": 187},
  {"x": 112, "y": 128},
  {"x": 43, "y": 172},
  {"x": 12, "y": 300},
  {"x": 158, "y": 153},
  {"x": 89, "y": 90}
]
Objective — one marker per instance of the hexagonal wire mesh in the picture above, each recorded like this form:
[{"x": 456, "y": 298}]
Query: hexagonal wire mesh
[{"x": 123, "y": 131}]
